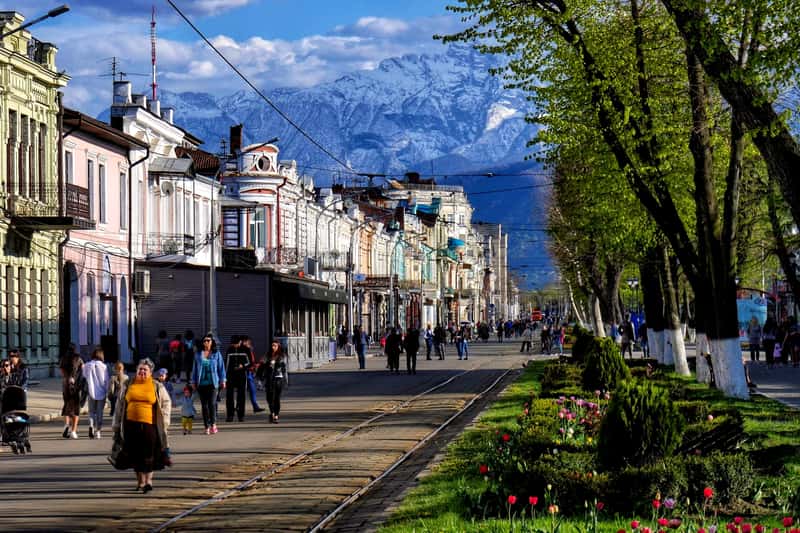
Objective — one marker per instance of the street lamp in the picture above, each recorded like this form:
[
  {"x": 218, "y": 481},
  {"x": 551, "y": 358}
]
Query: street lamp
[{"x": 60, "y": 10}]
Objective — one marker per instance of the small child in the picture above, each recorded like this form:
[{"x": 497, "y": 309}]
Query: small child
[
  {"x": 162, "y": 376},
  {"x": 118, "y": 380},
  {"x": 187, "y": 410}
]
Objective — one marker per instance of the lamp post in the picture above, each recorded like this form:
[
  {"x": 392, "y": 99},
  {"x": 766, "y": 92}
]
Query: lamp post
[
  {"x": 633, "y": 284},
  {"x": 60, "y": 10},
  {"x": 350, "y": 273}
]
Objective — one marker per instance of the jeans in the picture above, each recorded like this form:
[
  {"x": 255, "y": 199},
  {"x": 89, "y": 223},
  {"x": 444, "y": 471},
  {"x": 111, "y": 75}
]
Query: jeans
[
  {"x": 96, "y": 413},
  {"x": 361, "y": 352},
  {"x": 440, "y": 349},
  {"x": 429, "y": 347},
  {"x": 208, "y": 403},
  {"x": 235, "y": 391},
  {"x": 526, "y": 346},
  {"x": 754, "y": 349},
  {"x": 411, "y": 362},
  {"x": 251, "y": 388},
  {"x": 463, "y": 352},
  {"x": 274, "y": 389}
]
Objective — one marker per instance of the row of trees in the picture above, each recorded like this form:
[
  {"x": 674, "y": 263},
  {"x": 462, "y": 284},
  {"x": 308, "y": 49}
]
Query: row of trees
[{"x": 665, "y": 123}]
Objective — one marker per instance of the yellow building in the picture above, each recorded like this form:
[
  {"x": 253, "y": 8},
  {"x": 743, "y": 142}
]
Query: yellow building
[{"x": 31, "y": 207}]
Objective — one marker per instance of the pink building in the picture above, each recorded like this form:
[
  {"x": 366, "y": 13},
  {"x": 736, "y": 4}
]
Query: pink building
[{"x": 96, "y": 259}]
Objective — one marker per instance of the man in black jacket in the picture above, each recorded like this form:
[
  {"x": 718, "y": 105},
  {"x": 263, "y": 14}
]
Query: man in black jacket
[
  {"x": 411, "y": 344},
  {"x": 237, "y": 360}
]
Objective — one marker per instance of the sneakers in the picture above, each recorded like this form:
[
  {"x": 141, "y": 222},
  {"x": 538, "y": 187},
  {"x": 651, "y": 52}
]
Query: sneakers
[
  {"x": 214, "y": 429},
  {"x": 73, "y": 435},
  {"x": 66, "y": 432},
  {"x": 208, "y": 431},
  {"x": 97, "y": 434},
  {"x": 258, "y": 409}
]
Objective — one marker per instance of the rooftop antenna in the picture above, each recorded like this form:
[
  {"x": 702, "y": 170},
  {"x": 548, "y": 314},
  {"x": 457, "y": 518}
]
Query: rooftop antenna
[
  {"x": 116, "y": 71},
  {"x": 153, "y": 50}
]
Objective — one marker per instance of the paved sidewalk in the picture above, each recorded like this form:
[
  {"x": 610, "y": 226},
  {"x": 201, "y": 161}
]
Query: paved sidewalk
[{"x": 782, "y": 383}]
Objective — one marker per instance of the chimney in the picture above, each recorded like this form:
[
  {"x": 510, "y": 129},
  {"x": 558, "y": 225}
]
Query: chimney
[
  {"x": 167, "y": 114},
  {"x": 140, "y": 100},
  {"x": 122, "y": 93},
  {"x": 412, "y": 177},
  {"x": 155, "y": 107},
  {"x": 236, "y": 138}
]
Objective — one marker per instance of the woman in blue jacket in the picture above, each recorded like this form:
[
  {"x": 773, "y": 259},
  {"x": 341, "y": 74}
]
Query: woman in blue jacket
[{"x": 208, "y": 375}]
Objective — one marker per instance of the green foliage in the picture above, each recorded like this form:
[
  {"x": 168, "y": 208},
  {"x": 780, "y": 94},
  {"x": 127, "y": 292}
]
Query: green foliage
[
  {"x": 605, "y": 369},
  {"x": 559, "y": 377},
  {"x": 640, "y": 426},
  {"x": 583, "y": 343},
  {"x": 730, "y": 475}
]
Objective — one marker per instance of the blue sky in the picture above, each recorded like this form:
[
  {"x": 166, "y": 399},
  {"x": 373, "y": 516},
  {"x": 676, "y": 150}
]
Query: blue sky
[{"x": 277, "y": 43}]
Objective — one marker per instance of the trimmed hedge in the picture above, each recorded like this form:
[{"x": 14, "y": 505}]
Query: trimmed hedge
[{"x": 605, "y": 368}]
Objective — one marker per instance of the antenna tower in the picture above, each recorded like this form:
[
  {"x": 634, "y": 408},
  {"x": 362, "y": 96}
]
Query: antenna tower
[{"x": 153, "y": 50}]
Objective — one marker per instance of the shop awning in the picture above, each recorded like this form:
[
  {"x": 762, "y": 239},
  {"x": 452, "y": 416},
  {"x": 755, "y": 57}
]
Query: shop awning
[{"x": 292, "y": 287}]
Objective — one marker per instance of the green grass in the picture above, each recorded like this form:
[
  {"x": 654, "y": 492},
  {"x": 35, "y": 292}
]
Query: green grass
[{"x": 435, "y": 506}]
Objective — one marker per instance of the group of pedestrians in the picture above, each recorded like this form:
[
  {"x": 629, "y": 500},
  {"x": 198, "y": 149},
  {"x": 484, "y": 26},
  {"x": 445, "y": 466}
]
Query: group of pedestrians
[{"x": 779, "y": 342}]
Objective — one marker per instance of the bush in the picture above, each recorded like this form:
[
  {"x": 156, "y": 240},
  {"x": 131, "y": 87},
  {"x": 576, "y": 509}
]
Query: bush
[
  {"x": 693, "y": 411},
  {"x": 729, "y": 474},
  {"x": 605, "y": 369},
  {"x": 641, "y": 425},
  {"x": 667, "y": 477},
  {"x": 558, "y": 377},
  {"x": 583, "y": 342}
]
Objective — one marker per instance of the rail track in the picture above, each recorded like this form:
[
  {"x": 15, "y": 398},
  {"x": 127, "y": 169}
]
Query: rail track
[{"x": 343, "y": 454}]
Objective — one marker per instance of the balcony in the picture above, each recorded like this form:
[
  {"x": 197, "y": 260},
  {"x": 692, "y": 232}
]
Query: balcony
[
  {"x": 32, "y": 214},
  {"x": 161, "y": 244},
  {"x": 280, "y": 255},
  {"x": 333, "y": 261}
]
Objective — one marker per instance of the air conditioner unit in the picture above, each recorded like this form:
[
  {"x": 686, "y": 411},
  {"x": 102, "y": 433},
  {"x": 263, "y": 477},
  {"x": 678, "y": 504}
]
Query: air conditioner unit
[
  {"x": 167, "y": 188},
  {"x": 141, "y": 283}
]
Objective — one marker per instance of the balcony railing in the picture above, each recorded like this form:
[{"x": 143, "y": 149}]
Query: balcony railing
[
  {"x": 77, "y": 204},
  {"x": 333, "y": 261},
  {"x": 280, "y": 255},
  {"x": 158, "y": 244}
]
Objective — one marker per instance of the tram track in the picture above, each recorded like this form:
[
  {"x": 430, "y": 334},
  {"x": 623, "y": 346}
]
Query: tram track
[{"x": 344, "y": 466}]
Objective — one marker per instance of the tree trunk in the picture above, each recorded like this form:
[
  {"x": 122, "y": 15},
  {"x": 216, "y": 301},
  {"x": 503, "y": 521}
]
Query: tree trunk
[
  {"x": 576, "y": 310},
  {"x": 597, "y": 317},
  {"x": 675, "y": 350},
  {"x": 653, "y": 303}
]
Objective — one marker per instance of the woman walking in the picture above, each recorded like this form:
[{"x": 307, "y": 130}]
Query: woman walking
[
  {"x": 275, "y": 380},
  {"x": 208, "y": 375},
  {"x": 71, "y": 385},
  {"x": 19, "y": 370},
  {"x": 141, "y": 423},
  {"x": 95, "y": 372},
  {"x": 115, "y": 384}
]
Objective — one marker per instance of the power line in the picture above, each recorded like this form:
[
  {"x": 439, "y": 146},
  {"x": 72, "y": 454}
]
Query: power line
[{"x": 258, "y": 91}]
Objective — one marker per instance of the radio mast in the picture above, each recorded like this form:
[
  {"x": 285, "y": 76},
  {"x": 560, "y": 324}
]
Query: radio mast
[{"x": 153, "y": 50}]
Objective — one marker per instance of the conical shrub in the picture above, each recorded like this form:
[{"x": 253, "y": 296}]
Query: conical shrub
[{"x": 605, "y": 368}]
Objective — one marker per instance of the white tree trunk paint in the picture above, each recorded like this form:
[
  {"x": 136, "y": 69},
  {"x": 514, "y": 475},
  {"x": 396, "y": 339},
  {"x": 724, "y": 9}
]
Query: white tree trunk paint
[
  {"x": 597, "y": 318},
  {"x": 678, "y": 355},
  {"x": 657, "y": 348},
  {"x": 666, "y": 357},
  {"x": 702, "y": 348},
  {"x": 651, "y": 341},
  {"x": 728, "y": 368}
]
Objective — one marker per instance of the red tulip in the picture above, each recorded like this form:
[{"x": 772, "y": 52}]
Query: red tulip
[
  {"x": 621, "y": 531},
  {"x": 701, "y": 530},
  {"x": 512, "y": 499},
  {"x": 760, "y": 528},
  {"x": 635, "y": 524},
  {"x": 788, "y": 521},
  {"x": 599, "y": 506},
  {"x": 533, "y": 500},
  {"x": 708, "y": 493},
  {"x": 737, "y": 520},
  {"x": 506, "y": 437},
  {"x": 747, "y": 528},
  {"x": 483, "y": 469},
  {"x": 662, "y": 522},
  {"x": 656, "y": 504}
]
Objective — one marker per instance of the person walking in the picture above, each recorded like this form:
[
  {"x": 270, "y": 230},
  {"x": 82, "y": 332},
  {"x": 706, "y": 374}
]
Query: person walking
[
  {"x": 163, "y": 355},
  {"x": 360, "y": 341},
  {"x": 462, "y": 344},
  {"x": 208, "y": 376},
  {"x": 5, "y": 376},
  {"x": 95, "y": 372},
  {"x": 71, "y": 366},
  {"x": 141, "y": 424},
  {"x": 627, "y": 335},
  {"x": 393, "y": 348},
  {"x": 411, "y": 345},
  {"x": 769, "y": 335},
  {"x": 754, "y": 338},
  {"x": 237, "y": 360},
  {"x": 275, "y": 380},
  {"x": 116, "y": 382},
  {"x": 499, "y": 331},
  {"x": 643, "y": 339},
  {"x": 439, "y": 341},
  {"x": 252, "y": 369},
  {"x": 545, "y": 339},
  {"x": 19, "y": 370},
  {"x": 428, "y": 342},
  {"x": 176, "y": 347},
  {"x": 527, "y": 337},
  {"x": 188, "y": 410}
]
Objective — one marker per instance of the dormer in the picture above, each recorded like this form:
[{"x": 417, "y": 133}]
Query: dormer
[{"x": 261, "y": 160}]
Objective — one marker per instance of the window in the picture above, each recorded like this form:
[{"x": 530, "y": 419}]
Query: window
[
  {"x": 42, "y": 161},
  {"x": 123, "y": 200},
  {"x": 90, "y": 308},
  {"x": 461, "y": 220},
  {"x": 22, "y": 293},
  {"x": 68, "y": 174},
  {"x": 90, "y": 186},
  {"x": 101, "y": 182},
  {"x": 258, "y": 234},
  {"x": 23, "y": 155},
  {"x": 11, "y": 153},
  {"x": 187, "y": 215},
  {"x": 45, "y": 282},
  {"x": 32, "y": 151}
]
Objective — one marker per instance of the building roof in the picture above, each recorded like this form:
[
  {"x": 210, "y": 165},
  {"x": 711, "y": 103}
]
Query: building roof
[
  {"x": 75, "y": 120},
  {"x": 204, "y": 162},
  {"x": 172, "y": 166}
]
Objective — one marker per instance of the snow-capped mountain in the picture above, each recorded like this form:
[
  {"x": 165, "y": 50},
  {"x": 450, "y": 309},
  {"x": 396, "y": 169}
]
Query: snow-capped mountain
[{"x": 432, "y": 113}]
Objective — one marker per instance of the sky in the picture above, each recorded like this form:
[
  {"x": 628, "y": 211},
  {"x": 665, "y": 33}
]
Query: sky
[{"x": 277, "y": 43}]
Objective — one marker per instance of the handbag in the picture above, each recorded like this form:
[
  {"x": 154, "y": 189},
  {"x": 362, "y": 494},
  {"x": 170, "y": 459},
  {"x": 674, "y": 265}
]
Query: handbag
[{"x": 119, "y": 458}]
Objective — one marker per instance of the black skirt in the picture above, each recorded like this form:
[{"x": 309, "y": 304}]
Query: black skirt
[{"x": 142, "y": 446}]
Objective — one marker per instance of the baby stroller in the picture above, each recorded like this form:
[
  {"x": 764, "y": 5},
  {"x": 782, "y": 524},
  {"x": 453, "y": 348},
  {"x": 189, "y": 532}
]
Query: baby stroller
[{"x": 15, "y": 424}]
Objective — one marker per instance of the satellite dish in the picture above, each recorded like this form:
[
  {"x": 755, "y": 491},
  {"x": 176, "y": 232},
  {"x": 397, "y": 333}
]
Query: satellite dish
[{"x": 167, "y": 188}]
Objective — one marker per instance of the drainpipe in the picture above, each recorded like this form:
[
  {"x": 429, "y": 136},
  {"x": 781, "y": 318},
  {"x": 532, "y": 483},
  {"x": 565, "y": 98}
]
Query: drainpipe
[
  {"x": 278, "y": 220},
  {"x": 131, "y": 346},
  {"x": 63, "y": 334}
]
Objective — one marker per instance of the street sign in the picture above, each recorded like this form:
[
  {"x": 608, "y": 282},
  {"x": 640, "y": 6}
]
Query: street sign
[{"x": 359, "y": 277}]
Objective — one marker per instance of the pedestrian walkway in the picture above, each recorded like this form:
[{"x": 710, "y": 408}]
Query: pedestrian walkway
[{"x": 781, "y": 383}]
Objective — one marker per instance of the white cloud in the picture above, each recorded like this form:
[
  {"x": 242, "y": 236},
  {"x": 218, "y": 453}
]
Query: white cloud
[{"x": 381, "y": 26}]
